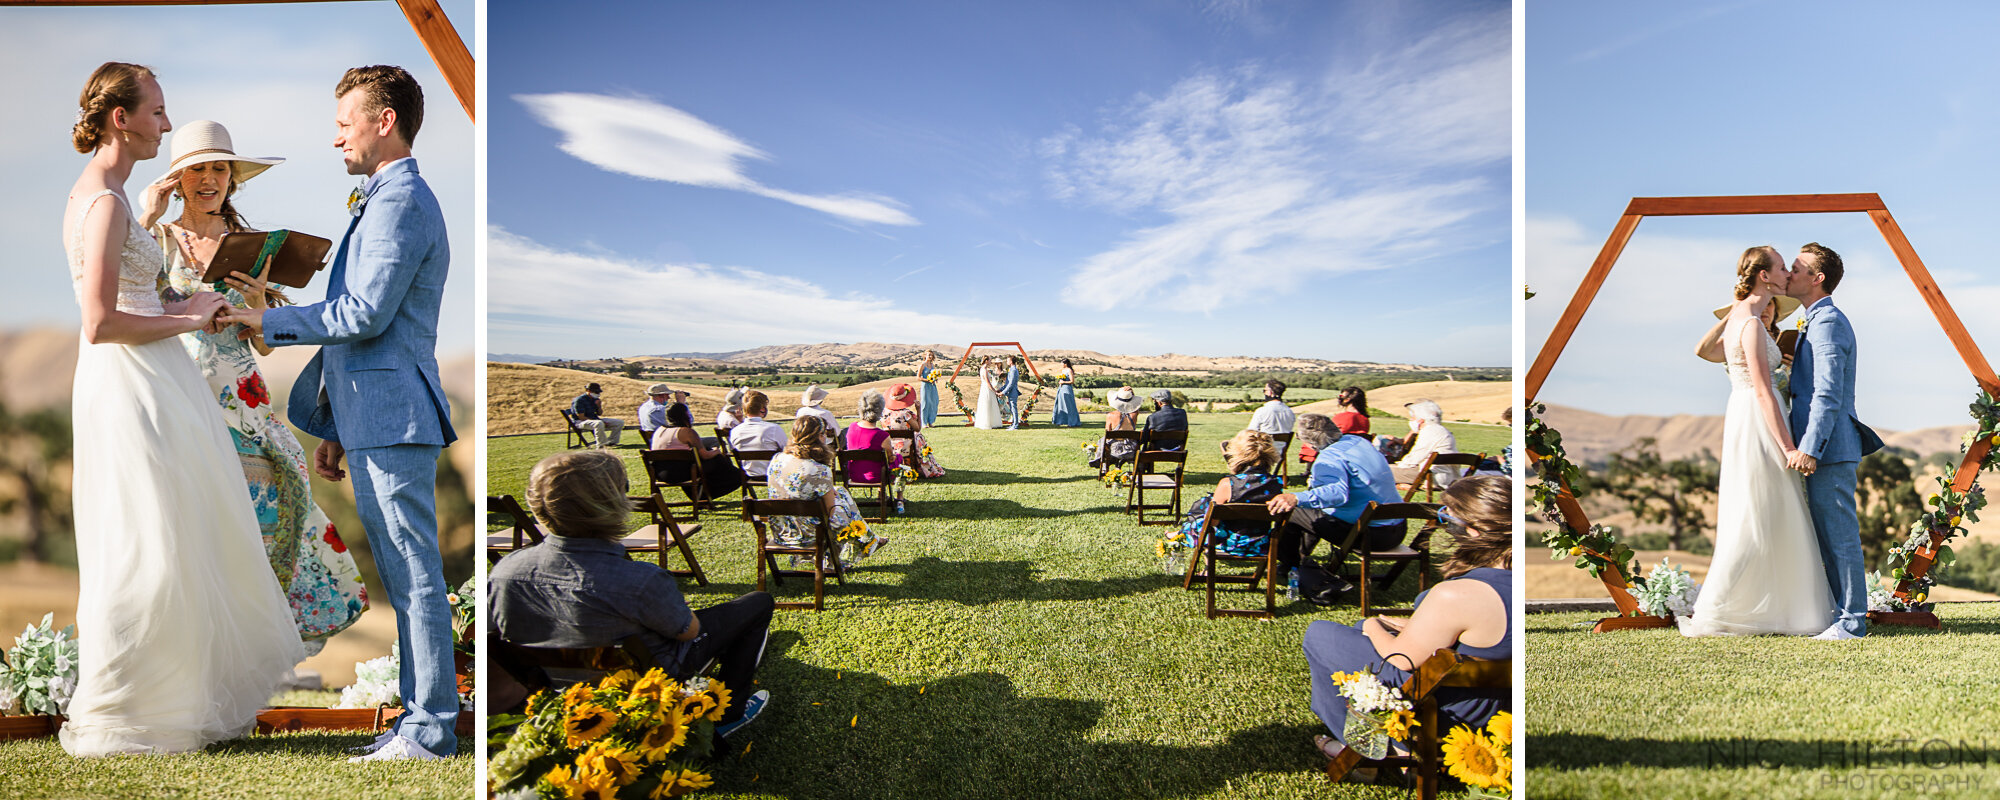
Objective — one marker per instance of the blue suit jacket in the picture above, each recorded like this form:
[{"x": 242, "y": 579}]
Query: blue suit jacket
[
  {"x": 374, "y": 382},
  {"x": 1823, "y": 423},
  {"x": 1012, "y": 388}
]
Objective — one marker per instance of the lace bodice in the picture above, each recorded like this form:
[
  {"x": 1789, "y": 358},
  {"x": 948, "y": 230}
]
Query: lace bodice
[
  {"x": 141, "y": 269},
  {"x": 1738, "y": 361}
]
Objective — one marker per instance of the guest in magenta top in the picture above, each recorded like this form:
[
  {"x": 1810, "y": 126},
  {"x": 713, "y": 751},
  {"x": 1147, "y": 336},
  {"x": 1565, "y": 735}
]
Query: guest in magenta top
[{"x": 867, "y": 434}]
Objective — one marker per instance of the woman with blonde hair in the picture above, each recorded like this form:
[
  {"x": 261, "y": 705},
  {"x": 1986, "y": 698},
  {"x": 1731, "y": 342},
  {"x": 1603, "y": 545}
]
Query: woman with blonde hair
[
  {"x": 804, "y": 471},
  {"x": 1250, "y": 455}
]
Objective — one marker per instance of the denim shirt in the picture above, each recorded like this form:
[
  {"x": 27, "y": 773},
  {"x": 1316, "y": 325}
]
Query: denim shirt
[
  {"x": 584, "y": 592},
  {"x": 1346, "y": 476}
]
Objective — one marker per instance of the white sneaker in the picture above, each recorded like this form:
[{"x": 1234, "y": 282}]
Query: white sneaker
[
  {"x": 380, "y": 740},
  {"x": 1835, "y": 633},
  {"x": 400, "y": 748}
]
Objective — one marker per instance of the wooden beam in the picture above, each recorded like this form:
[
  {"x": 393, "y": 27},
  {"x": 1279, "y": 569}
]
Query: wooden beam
[
  {"x": 1754, "y": 204},
  {"x": 1926, "y": 286},
  {"x": 1585, "y": 292}
]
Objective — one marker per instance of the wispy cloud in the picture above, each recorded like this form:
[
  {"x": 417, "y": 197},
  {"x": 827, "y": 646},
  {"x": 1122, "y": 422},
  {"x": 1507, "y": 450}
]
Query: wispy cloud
[
  {"x": 645, "y": 139},
  {"x": 899, "y": 278},
  {"x": 1254, "y": 182}
]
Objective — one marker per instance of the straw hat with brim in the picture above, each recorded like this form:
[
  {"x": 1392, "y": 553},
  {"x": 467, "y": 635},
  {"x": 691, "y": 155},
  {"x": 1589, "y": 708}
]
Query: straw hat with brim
[
  {"x": 1786, "y": 305},
  {"x": 901, "y": 396},
  {"x": 202, "y": 141},
  {"x": 812, "y": 396},
  {"x": 1125, "y": 401},
  {"x": 659, "y": 388}
]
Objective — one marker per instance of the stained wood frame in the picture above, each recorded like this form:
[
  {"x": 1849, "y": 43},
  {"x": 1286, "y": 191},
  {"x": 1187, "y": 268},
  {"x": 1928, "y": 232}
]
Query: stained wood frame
[
  {"x": 426, "y": 18},
  {"x": 1866, "y": 203}
]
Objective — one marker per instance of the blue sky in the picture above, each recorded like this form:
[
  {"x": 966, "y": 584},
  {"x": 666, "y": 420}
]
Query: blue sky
[
  {"x": 1286, "y": 178},
  {"x": 267, "y": 74},
  {"x": 1659, "y": 99}
]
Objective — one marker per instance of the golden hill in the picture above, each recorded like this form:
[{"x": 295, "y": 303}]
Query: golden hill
[{"x": 1462, "y": 401}]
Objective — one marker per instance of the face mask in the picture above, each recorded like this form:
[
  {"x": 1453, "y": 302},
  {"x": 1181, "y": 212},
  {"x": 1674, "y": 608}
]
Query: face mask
[{"x": 1414, "y": 425}]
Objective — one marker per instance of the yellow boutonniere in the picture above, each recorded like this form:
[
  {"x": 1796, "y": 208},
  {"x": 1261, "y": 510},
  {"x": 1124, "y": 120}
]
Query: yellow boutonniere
[
  {"x": 1802, "y": 323},
  {"x": 356, "y": 201}
]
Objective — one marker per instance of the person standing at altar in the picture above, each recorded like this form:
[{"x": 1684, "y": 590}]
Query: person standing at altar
[{"x": 1010, "y": 393}]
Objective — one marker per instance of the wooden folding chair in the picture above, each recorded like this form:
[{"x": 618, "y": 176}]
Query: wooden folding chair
[
  {"x": 1426, "y": 758},
  {"x": 821, "y": 552},
  {"x": 661, "y": 532},
  {"x": 721, "y": 439},
  {"x": 576, "y": 437},
  {"x": 1427, "y": 474},
  {"x": 656, "y": 461},
  {"x": 1148, "y": 473},
  {"x": 1267, "y": 564},
  {"x": 556, "y": 668},
  {"x": 1283, "y": 441},
  {"x": 909, "y": 456},
  {"x": 1104, "y": 460},
  {"x": 1418, "y": 549},
  {"x": 525, "y": 532},
  {"x": 849, "y": 459},
  {"x": 751, "y": 482}
]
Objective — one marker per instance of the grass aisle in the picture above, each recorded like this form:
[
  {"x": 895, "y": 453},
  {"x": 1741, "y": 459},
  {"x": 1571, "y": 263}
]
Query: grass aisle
[
  {"x": 1016, "y": 639},
  {"x": 1648, "y": 714}
]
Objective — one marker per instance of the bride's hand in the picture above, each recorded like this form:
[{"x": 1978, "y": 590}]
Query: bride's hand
[
  {"x": 201, "y": 310},
  {"x": 153, "y": 201}
]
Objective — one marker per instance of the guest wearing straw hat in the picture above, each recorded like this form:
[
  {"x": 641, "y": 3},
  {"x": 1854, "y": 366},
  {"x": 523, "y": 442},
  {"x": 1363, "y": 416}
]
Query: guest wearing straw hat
[
  {"x": 904, "y": 416},
  {"x": 1124, "y": 416},
  {"x": 810, "y": 402},
  {"x": 653, "y": 412},
  {"x": 1780, "y": 307},
  {"x": 731, "y": 414}
]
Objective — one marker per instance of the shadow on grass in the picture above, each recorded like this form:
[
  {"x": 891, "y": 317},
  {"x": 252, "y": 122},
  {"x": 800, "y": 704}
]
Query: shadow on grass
[
  {"x": 853, "y": 734},
  {"x": 1582, "y": 751},
  {"x": 974, "y": 583},
  {"x": 978, "y": 478}
]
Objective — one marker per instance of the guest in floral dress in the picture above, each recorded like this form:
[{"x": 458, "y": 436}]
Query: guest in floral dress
[
  {"x": 1251, "y": 455},
  {"x": 804, "y": 471},
  {"x": 903, "y": 416},
  {"x": 313, "y": 566}
]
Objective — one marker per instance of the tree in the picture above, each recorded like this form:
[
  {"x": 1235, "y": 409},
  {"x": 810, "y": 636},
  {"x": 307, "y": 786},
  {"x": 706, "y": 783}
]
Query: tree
[
  {"x": 31, "y": 446},
  {"x": 1661, "y": 491},
  {"x": 1887, "y": 500},
  {"x": 631, "y": 369}
]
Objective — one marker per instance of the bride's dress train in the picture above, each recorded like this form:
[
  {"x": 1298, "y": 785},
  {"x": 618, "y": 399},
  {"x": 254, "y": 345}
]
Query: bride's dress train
[
  {"x": 182, "y": 632},
  {"x": 1765, "y": 576}
]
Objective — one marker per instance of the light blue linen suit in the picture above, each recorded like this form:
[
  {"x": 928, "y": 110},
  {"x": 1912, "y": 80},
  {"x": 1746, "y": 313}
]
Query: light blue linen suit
[
  {"x": 1011, "y": 390},
  {"x": 1824, "y": 426},
  {"x": 373, "y": 387}
]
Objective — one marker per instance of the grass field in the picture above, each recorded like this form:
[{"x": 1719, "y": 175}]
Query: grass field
[
  {"x": 1905, "y": 712},
  {"x": 293, "y": 766},
  {"x": 1017, "y": 639}
]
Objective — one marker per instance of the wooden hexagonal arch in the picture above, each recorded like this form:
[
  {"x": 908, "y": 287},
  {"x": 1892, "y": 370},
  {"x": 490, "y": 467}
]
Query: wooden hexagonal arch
[{"x": 1870, "y": 204}]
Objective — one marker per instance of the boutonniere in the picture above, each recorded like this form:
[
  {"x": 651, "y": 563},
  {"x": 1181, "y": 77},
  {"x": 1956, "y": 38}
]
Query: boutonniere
[
  {"x": 1802, "y": 323},
  {"x": 356, "y": 201}
]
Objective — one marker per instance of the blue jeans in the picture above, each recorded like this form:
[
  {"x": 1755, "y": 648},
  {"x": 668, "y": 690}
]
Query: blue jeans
[
  {"x": 1012, "y": 407},
  {"x": 395, "y": 493}
]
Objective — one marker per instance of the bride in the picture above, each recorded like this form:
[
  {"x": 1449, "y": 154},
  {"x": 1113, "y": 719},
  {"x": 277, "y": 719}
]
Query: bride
[
  {"x": 988, "y": 414},
  {"x": 1765, "y": 576},
  {"x": 183, "y": 634}
]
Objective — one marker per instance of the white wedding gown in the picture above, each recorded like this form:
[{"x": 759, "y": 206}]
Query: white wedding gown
[
  {"x": 987, "y": 413},
  {"x": 1765, "y": 576},
  {"x": 182, "y": 632}
]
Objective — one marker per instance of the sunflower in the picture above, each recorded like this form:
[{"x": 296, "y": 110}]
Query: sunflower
[
  {"x": 656, "y": 685},
  {"x": 1398, "y": 724},
  {"x": 1472, "y": 759},
  {"x": 674, "y": 783},
  {"x": 564, "y": 782},
  {"x": 610, "y": 759},
  {"x": 576, "y": 695},
  {"x": 621, "y": 679},
  {"x": 720, "y": 694},
  {"x": 696, "y": 706},
  {"x": 587, "y": 722},
  {"x": 593, "y": 785},
  {"x": 661, "y": 739},
  {"x": 1501, "y": 728}
]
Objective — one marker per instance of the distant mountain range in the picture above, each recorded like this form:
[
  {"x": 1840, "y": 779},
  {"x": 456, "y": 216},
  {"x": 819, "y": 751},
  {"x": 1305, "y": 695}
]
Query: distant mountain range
[
  {"x": 870, "y": 355},
  {"x": 1590, "y": 437}
]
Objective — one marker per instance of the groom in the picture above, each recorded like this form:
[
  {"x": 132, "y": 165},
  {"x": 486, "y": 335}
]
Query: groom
[
  {"x": 372, "y": 394},
  {"x": 1011, "y": 394},
  {"x": 1831, "y": 441}
]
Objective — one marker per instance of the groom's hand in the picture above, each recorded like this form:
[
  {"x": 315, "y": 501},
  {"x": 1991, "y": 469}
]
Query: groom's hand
[
  {"x": 326, "y": 460},
  {"x": 1798, "y": 460}
]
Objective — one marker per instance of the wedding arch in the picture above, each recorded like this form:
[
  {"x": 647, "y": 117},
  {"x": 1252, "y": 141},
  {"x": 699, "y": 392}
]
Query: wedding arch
[
  {"x": 958, "y": 397},
  {"x": 1957, "y": 496},
  {"x": 426, "y": 18}
]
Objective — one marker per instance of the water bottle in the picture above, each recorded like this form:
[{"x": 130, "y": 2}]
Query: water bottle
[{"x": 1292, "y": 587}]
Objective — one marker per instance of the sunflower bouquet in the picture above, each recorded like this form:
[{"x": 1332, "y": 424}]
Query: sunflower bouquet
[
  {"x": 627, "y": 736},
  {"x": 1118, "y": 475},
  {"x": 1483, "y": 759},
  {"x": 854, "y": 531},
  {"x": 1173, "y": 552},
  {"x": 1376, "y": 713}
]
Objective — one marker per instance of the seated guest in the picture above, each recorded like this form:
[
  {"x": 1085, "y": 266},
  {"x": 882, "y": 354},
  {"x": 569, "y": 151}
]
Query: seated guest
[
  {"x": 1251, "y": 455},
  {"x": 1468, "y": 612},
  {"x": 589, "y": 410},
  {"x": 904, "y": 415},
  {"x": 805, "y": 472},
  {"x": 1123, "y": 416},
  {"x": 809, "y": 406},
  {"x": 578, "y": 588},
  {"x": 1274, "y": 416},
  {"x": 731, "y": 414},
  {"x": 754, "y": 434},
  {"x": 653, "y": 412},
  {"x": 866, "y": 434},
  {"x": 1347, "y": 476},
  {"x": 1353, "y": 414},
  {"x": 1427, "y": 422},
  {"x": 1165, "y": 416},
  {"x": 718, "y": 476}
]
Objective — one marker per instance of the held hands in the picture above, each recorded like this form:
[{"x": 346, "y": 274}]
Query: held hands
[
  {"x": 326, "y": 460},
  {"x": 1282, "y": 504},
  {"x": 252, "y": 320},
  {"x": 1798, "y": 460},
  {"x": 202, "y": 311}
]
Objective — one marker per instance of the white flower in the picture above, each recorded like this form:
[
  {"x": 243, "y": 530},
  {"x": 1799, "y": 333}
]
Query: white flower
[{"x": 1668, "y": 590}]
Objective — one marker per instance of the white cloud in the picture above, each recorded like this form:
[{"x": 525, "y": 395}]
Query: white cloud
[{"x": 645, "y": 139}]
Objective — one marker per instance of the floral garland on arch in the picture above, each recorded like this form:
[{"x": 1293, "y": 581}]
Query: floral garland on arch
[
  {"x": 958, "y": 398},
  {"x": 1945, "y": 516},
  {"x": 1593, "y": 549}
]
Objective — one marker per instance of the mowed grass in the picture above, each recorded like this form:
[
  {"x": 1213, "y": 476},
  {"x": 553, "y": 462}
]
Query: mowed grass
[
  {"x": 1016, "y": 639},
  {"x": 308, "y": 764},
  {"x": 1905, "y": 712}
]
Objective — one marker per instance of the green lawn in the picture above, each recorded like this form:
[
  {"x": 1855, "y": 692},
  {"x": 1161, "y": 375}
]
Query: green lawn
[
  {"x": 1017, "y": 639},
  {"x": 292, "y": 766},
  {"x": 1905, "y": 712}
]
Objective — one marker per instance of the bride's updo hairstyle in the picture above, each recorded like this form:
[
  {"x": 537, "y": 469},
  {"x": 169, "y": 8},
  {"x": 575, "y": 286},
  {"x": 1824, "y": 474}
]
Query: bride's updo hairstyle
[
  {"x": 114, "y": 85},
  {"x": 580, "y": 494},
  {"x": 1484, "y": 537},
  {"x": 1754, "y": 262}
]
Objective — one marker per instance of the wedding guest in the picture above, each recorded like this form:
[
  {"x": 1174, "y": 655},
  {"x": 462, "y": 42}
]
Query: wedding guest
[
  {"x": 1274, "y": 416},
  {"x": 1250, "y": 455},
  {"x": 805, "y": 472},
  {"x": 1065, "y": 415},
  {"x": 1166, "y": 416},
  {"x": 866, "y": 433},
  {"x": 718, "y": 476},
  {"x": 754, "y": 434},
  {"x": 810, "y": 402},
  {"x": 1353, "y": 414},
  {"x": 1348, "y": 475},
  {"x": 731, "y": 414},
  {"x": 653, "y": 412},
  {"x": 1427, "y": 421},
  {"x": 903, "y": 416},
  {"x": 927, "y": 375},
  {"x": 1123, "y": 416},
  {"x": 589, "y": 410},
  {"x": 579, "y": 588},
  {"x": 1468, "y": 611}
]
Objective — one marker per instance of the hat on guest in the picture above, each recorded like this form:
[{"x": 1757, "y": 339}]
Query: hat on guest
[
  {"x": 202, "y": 141},
  {"x": 659, "y": 389},
  {"x": 901, "y": 396},
  {"x": 594, "y": 389},
  {"x": 812, "y": 396},
  {"x": 734, "y": 399},
  {"x": 1125, "y": 400},
  {"x": 1163, "y": 397}
]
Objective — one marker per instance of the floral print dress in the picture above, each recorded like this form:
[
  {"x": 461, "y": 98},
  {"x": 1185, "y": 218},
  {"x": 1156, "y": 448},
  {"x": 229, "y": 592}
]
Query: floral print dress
[
  {"x": 318, "y": 574},
  {"x": 904, "y": 419},
  {"x": 794, "y": 478},
  {"x": 1234, "y": 538}
]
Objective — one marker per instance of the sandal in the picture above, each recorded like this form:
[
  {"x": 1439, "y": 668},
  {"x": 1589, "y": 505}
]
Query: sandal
[
  {"x": 878, "y": 543},
  {"x": 1331, "y": 748}
]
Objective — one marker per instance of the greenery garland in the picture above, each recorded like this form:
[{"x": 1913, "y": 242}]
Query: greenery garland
[
  {"x": 1593, "y": 549},
  {"x": 1947, "y": 512},
  {"x": 958, "y": 397}
]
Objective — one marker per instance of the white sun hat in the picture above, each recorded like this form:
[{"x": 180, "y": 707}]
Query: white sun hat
[{"x": 202, "y": 141}]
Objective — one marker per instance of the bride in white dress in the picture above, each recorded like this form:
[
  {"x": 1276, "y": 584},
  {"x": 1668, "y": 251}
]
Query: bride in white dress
[
  {"x": 988, "y": 415},
  {"x": 1765, "y": 576},
  {"x": 183, "y": 634}
]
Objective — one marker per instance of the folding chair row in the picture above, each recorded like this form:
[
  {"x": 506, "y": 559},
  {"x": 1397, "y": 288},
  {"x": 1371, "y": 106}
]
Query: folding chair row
[{"x": 662, "y": 531}]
